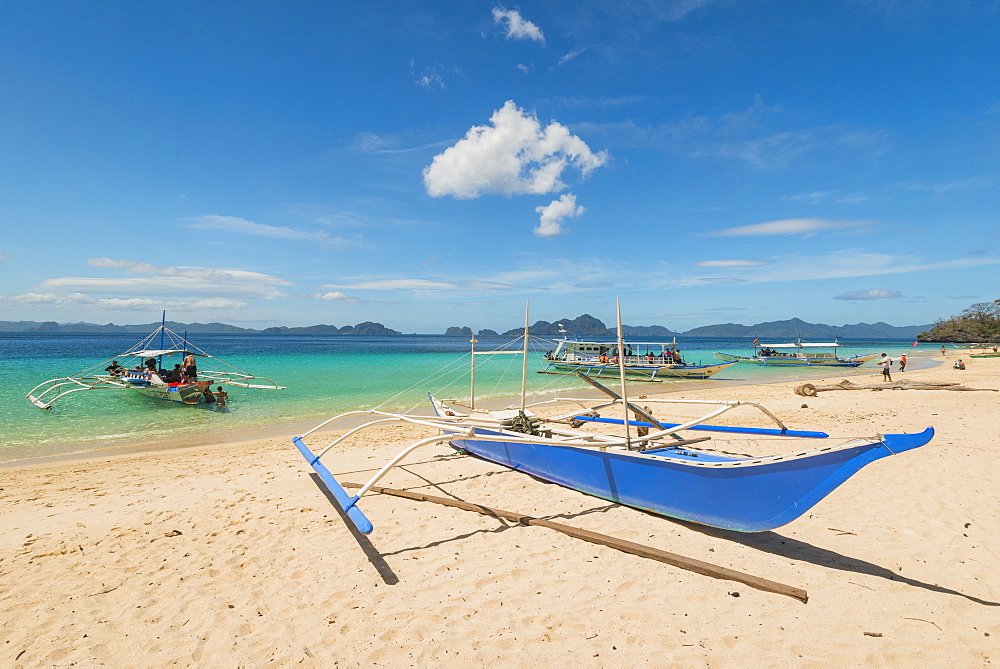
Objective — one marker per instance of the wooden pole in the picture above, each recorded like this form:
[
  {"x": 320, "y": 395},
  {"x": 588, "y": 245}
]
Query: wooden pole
[{"x": 690, "y": 564}]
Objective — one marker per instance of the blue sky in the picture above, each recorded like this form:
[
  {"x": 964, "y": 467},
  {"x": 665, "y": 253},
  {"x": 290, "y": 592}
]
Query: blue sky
[{"x": 433, "y": 164}]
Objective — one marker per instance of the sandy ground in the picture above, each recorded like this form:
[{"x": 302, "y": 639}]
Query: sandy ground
[{"x": 235, "y": 555}]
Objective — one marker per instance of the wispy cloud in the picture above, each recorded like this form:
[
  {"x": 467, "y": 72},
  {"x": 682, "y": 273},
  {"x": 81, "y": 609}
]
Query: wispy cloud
[
  {"x": 762, "y": 135},
  {"x": 515, "y": 26},
  {"x": 572, "y": 55},
  {"x": 512, "y": 156},
  {"x": 124, "y": 304},
  {"x": 839, "y": 265},
  {"x": 870, "y": 294},
  {"x": 241, "y": 226},
  {"x": 806, "y": 227},
  {"x": 732, "y": 263},
  {"x": 170, "y": 280},
  {"x": 952, "y": 186}
]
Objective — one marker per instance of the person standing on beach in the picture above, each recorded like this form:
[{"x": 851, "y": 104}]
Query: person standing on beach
[
  {"x": 902, "y": 362},
  {"x": 944, "y": 351},
  {"x": 886, "y": 363}
]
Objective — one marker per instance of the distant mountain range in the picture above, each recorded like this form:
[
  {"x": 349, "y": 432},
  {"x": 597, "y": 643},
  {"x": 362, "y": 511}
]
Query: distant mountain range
[
  {"x": 366, "y": 328},
  {"x": 581, "y": 326},
  {"x": 588, "y": 326}
]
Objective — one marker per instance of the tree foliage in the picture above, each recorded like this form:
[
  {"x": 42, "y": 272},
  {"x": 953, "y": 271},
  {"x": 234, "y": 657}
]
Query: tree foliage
[{"x": 979, "y": 322}]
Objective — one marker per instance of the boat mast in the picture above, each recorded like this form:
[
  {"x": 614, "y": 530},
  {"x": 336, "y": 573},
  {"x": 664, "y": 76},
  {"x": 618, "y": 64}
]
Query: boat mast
[
  {"x": 472, "y": 373},
  {"x": 621, "y": 373},
  {"x": 524, "y": 361},
  {"x": 163, "y": 330}
]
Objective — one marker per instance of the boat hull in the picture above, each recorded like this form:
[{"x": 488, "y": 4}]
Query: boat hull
[
  {"x": 795, "y": 361},
  {"x": 747, "y": 497},
  {"x": 187, "y": 393},
  {"x": 598, "y": 369}
]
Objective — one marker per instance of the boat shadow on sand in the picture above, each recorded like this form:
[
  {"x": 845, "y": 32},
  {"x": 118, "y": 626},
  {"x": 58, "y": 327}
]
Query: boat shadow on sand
[
  {"x": 767, "y": 542},
  {"x": 793, "y": 549}
]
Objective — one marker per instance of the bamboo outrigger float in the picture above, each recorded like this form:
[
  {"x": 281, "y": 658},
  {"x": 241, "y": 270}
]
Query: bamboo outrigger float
[
  {"x": 149, "y": 377},
  {"x": 655, "y": 470}
]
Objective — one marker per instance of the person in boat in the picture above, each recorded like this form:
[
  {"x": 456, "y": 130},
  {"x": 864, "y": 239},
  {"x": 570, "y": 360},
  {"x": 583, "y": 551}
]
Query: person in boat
[
  {"x": 114, "y": 369},
  {"x": 221, "y": 397},
  {"x": 886, "y": 363},
  {"x": 959, "y": 364},
  {"x": 151, "y": 364},
  {"x": 189, "y": 369},
  {"x": 174, "y": 375},
  {"x": 677, "y": 357}
]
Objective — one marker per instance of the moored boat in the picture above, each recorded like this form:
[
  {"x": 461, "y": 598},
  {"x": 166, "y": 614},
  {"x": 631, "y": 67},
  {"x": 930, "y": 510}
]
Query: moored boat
[
  {"x": 652, "y": 360},
  {"x": 152, "y": 374},
  {"x": 798, "y": 354}
]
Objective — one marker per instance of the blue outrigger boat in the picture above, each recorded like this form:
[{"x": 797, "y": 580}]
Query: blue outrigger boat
[{"x": 655, "y": 469}]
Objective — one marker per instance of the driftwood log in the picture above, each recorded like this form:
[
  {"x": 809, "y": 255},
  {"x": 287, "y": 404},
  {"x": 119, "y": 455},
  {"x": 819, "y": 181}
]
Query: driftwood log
[
  {"x": 810, "y": 390},
  {"x": 691, "y": 564}
]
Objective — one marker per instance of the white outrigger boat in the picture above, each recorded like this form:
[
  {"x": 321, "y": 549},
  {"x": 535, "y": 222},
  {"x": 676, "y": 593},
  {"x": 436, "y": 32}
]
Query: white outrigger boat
[
  {"x": 654, "y": 360},
  {"x": 148, "y": 377},
  {"x": 653, "y": 468},
  {"x": 798, "y": 354}
]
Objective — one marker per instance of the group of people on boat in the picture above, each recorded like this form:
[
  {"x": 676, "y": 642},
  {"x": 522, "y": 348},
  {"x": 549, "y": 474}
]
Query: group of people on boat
[
  {"x": 667, "y": 357},
  {"x": 185, "y": 372}
]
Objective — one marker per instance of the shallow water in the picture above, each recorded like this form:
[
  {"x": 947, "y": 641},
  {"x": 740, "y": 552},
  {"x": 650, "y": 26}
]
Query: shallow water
[{"x": 324, "y": 375}]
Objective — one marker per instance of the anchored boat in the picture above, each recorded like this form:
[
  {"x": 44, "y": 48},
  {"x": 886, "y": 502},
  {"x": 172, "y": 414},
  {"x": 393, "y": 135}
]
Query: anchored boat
[
  {"x": 653, "y": 360},
  {"x": 798, "y": 354},
  {"x": 165, "y": 368}
]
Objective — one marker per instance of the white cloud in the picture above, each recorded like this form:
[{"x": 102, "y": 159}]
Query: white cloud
[
  {"x": 515, "y": 26},
  {"x": 513, "y": 156},
  {"x": 787, "y": 226},
  {"x": 242, "y": 226},
  {"x": 334, "y": 296},
  {"x": 552, "y": 215},
  {"x": 870, "y": 294},
  {"x": 732, "y": 263}
]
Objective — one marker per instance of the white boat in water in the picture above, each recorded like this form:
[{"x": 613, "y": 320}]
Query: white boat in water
[
  {"x": 159, "y": 372},
  {"x": 798, "y": 354},
  {"x": 653, "y": 360}
]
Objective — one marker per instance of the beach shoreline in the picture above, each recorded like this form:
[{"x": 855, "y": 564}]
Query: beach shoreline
[
  {"x": 233, "y": 553},
  {"x": 208, "y": 437}
]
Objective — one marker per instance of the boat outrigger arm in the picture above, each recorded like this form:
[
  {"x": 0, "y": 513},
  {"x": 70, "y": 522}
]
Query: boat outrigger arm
[{"x": 496, "y": 425}]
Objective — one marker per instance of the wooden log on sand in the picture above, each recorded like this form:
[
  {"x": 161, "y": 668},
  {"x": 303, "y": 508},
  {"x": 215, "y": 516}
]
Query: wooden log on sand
[
  {"x": 810, "y": 390},
  {"x": 691, "y": 564}
]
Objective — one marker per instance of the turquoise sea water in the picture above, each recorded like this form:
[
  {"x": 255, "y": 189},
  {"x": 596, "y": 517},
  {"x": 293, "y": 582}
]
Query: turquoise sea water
[{"x": 325, "y": 375}]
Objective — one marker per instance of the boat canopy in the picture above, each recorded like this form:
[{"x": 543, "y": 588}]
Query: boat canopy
[
  {"x": 168, "y": 351},
  {"x": 802, "y": 345}
]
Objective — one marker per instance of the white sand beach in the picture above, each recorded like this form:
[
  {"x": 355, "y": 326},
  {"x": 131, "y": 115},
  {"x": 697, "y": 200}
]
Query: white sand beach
[{"x": 234, "y": 555}]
